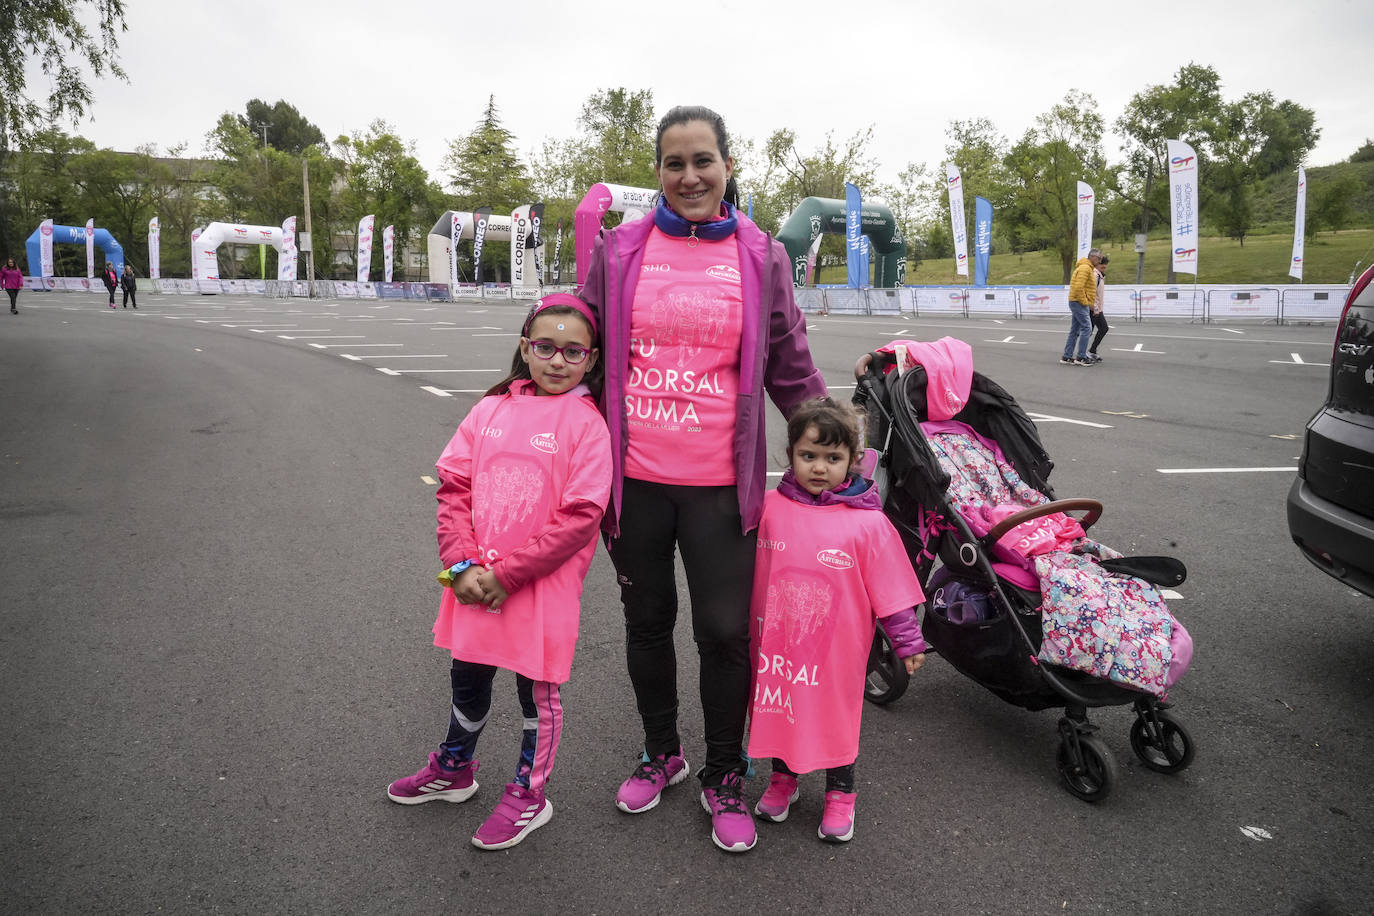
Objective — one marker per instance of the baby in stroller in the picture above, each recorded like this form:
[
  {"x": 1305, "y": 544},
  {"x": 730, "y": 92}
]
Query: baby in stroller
[{"x": 1024, "y": 602}]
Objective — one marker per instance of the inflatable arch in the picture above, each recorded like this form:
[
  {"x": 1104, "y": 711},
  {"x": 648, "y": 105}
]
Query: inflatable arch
[
  {"x": 635, "y": 203},
  {"x": 204, "y": 247},
  {"x": 498, "y": 230},
  {"x": 75, "y": 235},
  {"x": 817, "y": 215}
]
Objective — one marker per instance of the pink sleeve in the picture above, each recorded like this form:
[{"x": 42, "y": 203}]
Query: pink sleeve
[
  {"x": 577, "y": 517},
  {"x": 457, "y": 537},
  {"x": 888, "y": 577}
]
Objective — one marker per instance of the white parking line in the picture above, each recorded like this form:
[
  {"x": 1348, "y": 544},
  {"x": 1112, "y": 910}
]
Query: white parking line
[
  {"x": 1046, "y": 418},
  {"x": 1298, "y": 361},
  {"x": 270, "y": 330},
  {"x": 349, "y": 346},
  {"x": 394, "y": 355},
  {"x": 482, "y": 328},
  {"x": 1011, "y": 339},
  {"x": 325, "y": 336},
  {"x": 1137, "y": 349},
  {"x": 1224, "y": 470},
  {"x": 390, "y": 371}
]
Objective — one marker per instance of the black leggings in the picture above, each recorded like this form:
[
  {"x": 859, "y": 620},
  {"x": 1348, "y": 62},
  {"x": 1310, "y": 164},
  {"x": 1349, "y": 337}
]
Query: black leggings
[
  {"x": 837, "y": 779},
  {"x": 130, "y": 297},
  {"x": 14, "y": 297},
  {"x": 1100, "y": 322},
  {"x": 719, "y": 561}
]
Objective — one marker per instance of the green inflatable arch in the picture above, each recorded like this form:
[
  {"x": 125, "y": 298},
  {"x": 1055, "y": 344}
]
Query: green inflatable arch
[{"x": 817, "y": 215}]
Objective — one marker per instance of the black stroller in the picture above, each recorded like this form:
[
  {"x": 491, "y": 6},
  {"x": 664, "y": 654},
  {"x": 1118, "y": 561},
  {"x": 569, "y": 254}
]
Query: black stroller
[{"x": 999, "y": 648}]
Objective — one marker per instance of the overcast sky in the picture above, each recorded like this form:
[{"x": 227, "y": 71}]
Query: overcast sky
[{"x": 905, "y": 68}]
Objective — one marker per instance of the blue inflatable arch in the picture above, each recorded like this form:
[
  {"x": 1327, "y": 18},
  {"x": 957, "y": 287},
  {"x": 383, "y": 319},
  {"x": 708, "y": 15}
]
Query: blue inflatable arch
[{"x": 76, "y": 235}]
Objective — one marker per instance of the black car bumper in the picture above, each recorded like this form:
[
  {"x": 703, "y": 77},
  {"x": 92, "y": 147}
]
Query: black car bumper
[{"x": 1337, "y": 541}]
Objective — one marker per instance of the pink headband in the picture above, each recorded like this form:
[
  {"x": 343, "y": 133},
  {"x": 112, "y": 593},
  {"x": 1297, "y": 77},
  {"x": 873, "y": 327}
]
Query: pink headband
[{"x": 564, "y": 299}]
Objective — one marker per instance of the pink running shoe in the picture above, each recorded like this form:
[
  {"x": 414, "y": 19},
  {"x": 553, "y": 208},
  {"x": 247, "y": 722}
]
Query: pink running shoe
[
  {"x": 519, "y": 813},
  {"x": 641, "y": 791},
  {"x": 837, "y": 821},
  {"x": 732, "y": 826},
  {"x": 435, "y": 782},
  {"x": 782, "y": 791}
]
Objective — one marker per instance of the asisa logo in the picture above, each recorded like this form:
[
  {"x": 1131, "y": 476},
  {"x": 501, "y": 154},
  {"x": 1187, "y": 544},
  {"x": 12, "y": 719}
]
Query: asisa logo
[
  {"x": 1297, "y": 260},
  {"x": 723, "y": 272},
  {"x": 1185, "y": 253},
  {"x": 835, "y": 558},
  {"x": 1181, "y": 162},
  {"x": 963, "y": 257},
  {"x": 545, "y": 442},
  {"x": 1085, "y": 198},
  {"x": 953, "y": 180},
  {"x": 1037, "y": 300}
]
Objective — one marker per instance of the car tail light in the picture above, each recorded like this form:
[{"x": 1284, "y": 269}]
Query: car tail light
[{"x": 1355, "y": 291}]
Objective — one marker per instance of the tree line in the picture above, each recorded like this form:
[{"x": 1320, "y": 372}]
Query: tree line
[{"x": 255, "y": 171}]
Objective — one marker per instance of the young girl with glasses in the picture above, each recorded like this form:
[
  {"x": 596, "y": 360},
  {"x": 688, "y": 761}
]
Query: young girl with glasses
[{"x": 523, "y": 485}]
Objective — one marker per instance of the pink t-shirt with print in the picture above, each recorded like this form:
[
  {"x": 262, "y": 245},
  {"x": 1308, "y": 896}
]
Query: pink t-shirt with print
[
  {"x": 823, "y": 577},
  {"x": 684, "y": 362}
]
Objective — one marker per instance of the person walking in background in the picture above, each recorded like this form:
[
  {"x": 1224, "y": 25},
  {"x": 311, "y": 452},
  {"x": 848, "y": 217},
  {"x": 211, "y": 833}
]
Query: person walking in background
[
  {"x": 698, "y": 321},
  {"x": 111, "y": 280},
  {"x": 1082, "y": 295},
  {"x": 129, "y": 285},
  {"x": 1098, "y": 319},
  {"x": 523, "y": 485},
  {"x": 13, "y": 281}
]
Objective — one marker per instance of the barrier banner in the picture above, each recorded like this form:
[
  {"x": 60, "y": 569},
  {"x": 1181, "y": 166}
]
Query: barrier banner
[
  {"x": 455, "y": 232},
  {"x": 365, "y": 246},
  {"x": 289, "y": 257},
  {"x": 1183, "y": 191},
  {"x": 1299, "y": 224},
  {"x": 45, "y": 268},
  {"x": 557, "y": 253},
  {"x": 90, "y": 249},
  {"x": 195, "y": 261},
  {"x": 480, "y": 217},
  {"x": 853, "y": 232},
  {"x": 1085, "y": 219},
  {"x": 519, "y": 241},
  {"x": 154, "y": 249},
  {"x": 537, "y": 241},
  {"x": 982, "y": 240},
  {"x": 388, "y": 248},
  {"x": 957, "y": 228}
]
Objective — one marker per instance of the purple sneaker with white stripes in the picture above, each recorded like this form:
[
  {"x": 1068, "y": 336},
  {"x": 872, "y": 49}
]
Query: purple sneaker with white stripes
[
  {"x": 519, "y": 813},
  {"x": 435, "y": 782}
]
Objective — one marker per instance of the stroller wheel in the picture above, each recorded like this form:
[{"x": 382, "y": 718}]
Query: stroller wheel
[
  {"x": 887, "y": 678},
  {"x": 1163, "y": 744},
  {"x": 1093, "y": 773}
]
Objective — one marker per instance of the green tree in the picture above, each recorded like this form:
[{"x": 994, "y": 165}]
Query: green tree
[
  {"x": 1331, "y": 202},
  {"x": 39, "y": 186},
  {"x": 1062, "y": 148},
  {"x": 176, "y": 189},
  {"x": 284, "y": 127},
  {"x": 1364, "y": 153},
  {"x": 485, "y": 171},
  {"x": 385, "y": 179}
]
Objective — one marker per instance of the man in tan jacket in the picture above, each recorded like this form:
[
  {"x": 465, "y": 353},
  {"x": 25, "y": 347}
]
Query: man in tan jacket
[{"x": 1082, "y": 297}]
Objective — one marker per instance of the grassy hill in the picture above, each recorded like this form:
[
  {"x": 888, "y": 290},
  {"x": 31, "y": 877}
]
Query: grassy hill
[{"x": 1328, "y": 258}]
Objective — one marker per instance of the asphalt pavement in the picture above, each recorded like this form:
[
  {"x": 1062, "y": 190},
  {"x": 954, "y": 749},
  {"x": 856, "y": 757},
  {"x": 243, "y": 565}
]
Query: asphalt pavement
[{"x": 217, "y": 584}]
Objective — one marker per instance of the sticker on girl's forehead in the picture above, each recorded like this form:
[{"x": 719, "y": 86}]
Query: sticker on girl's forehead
[{"x": 560, "y": 327}]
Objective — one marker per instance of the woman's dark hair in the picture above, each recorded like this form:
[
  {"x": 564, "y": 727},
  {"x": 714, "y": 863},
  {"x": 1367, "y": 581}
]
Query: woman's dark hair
[
  {"x": 519, "y": 369},
  {"x": 684, "y": 113},
  {"x": 836, "y": 423}
]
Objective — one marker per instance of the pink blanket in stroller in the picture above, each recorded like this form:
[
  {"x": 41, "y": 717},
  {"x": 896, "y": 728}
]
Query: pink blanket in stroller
[{"x": 1109, "y": 625}]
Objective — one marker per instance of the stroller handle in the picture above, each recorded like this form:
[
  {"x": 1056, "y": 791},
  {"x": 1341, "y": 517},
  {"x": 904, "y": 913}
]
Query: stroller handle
[{"x": 1091, "y": 506}]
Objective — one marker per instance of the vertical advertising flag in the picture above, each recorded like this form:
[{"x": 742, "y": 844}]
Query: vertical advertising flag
[
  {"x": 1085, "y": 219},
  {"x": 45, "y": 265},
  {"x": 519, "y": 238},
  {"x": 455, "y": 232},
  {"x": 480, "y": 217},
  {"x": 537, "y": 241},
  {"x": 154, "y": 249},
  {"x": 1299, "y": 227},
  {"x": 195, "y": 261},
  {"x": 557, "y": 252},
  {"x": 365, "y": 246},
  {"x": 289, "y": 257},
  {"x": 1183, "y": 192},
  {"x": 958, "y": 231},
  {"x": 865, "y": 252},
  {"x": 90, "y": 249},
  {"x": 982, "y": 240},
  {"x": 388, "y": 249},
  {"x": 853, "y": 232}
]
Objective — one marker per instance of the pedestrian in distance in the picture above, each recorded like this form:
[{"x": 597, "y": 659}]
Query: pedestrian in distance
[
  {"x": 830, "y": 566},
  {"x": 129, "y": 285},
  {"x": 12, "y": 280},
  {"x": 1098, "y": 319},
  {"x": 1082, "y": 296},
  {"x": 523, "y": 486},
  {"x": 111, "y": 280},
  {"x": 698, "y": 321}
]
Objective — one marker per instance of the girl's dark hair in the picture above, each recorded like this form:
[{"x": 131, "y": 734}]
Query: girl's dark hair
[
  {"x": 684, "y": 113},
  {"x": 519, "y": 369},
  {"x": 836, "y": 423}
]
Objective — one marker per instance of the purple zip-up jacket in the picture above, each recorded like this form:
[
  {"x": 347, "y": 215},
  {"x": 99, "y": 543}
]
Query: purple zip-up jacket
[{"x": 774, "y": 355}]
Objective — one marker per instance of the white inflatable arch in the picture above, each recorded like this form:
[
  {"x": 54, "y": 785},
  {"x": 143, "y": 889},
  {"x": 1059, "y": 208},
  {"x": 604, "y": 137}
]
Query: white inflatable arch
[
  {"x": 214, "y": 235},
  {"x": 498, "y": 230}
]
